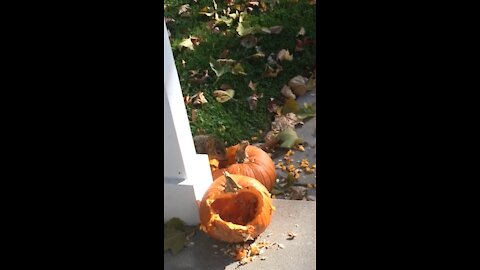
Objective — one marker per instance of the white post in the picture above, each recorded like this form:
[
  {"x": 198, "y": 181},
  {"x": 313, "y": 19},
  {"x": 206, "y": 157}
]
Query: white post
[{"x": 187, "y": 175}]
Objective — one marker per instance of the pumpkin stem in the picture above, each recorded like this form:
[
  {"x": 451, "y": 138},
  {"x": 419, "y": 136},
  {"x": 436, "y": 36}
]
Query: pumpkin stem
[
  {"x": 230, "y": 184},
  {"x": 241, "y": 154}
]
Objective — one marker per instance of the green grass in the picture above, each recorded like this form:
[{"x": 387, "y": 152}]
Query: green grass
[{"x": 233, "y": 120}]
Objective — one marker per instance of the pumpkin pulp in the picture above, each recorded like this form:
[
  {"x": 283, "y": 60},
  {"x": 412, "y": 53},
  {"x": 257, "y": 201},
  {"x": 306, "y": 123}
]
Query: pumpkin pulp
[{"x": 240, "y": 208}]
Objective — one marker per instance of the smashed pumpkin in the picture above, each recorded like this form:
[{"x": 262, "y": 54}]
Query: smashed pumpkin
[
  {"x": 248, "y": 160},
  {"x": 235, "y": 208}
]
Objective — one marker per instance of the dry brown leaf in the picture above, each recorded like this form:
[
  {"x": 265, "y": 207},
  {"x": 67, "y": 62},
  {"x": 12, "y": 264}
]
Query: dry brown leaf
[
  {"x": 284, "y": 55},
  {"x": 291, "y": 235},
  {"x": 252, "y": 85},
  {"x": 283, "y": 122},
  {"x": 169, "y": 20},
  {"x": 312, "y": 2},
  {"x": 271, "y": 140},
  {"x": 194, "y": 115},
  {"x": 252, "y": 101},
  {"x": 187, "y": 100},
  {"x": 271, "y": 72},
  {"x": 298, "y": 85},
  {"x": 287, "y": 92},
  {"x": 199, "y": 98},
  {"x": 183, "y": 9},
  {"x": 195, "y": 40},
  {"x": 301, "y": 32}
]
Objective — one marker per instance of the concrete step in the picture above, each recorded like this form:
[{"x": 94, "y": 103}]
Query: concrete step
[{"x": 291, "y": 216}]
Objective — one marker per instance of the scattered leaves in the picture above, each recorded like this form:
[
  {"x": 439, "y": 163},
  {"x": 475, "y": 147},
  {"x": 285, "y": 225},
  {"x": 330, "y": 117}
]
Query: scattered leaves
[
  {"x": 284, "y": 122},
  {"x": 223, "y": 96}
]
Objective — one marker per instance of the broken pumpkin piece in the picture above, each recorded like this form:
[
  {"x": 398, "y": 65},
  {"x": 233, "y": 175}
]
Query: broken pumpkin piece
[{"x": 235, "y": 217}]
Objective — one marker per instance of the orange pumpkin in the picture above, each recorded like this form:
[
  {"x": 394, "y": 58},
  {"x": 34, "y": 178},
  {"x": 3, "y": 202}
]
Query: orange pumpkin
[
  {"x": 235, "y": 211},
  {"x": 257, "y": 164}
]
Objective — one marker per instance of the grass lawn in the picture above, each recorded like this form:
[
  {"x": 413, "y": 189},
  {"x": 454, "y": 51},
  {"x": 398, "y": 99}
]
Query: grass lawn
[{"x": 234, "y": 120}]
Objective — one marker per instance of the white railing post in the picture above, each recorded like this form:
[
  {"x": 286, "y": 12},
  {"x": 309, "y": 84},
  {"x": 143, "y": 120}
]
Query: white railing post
[{"x": 187, "y": 175}]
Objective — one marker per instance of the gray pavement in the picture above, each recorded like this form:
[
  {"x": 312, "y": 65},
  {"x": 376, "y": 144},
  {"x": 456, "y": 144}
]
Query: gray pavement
[
  {"x": 307, "y": 132},
  {"x": 298, "y": 217}
]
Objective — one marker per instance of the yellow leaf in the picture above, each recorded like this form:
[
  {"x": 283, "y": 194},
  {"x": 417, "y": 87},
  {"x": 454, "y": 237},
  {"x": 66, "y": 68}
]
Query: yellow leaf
[
  {"x": 223, "y": 96},
  {"x": 187, "y": 43}
]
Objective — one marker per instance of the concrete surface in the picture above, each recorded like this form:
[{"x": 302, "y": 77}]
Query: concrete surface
[
  {"x": 307, "y": 132},
  {"x": 298, "y": 254}
]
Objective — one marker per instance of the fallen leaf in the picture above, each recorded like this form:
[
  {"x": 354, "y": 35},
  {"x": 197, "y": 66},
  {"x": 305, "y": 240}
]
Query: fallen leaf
[
  {"x": 195, "y": 40},
  {"x": 223, "y": 96},
  {"x": 184, "y": 63},
  {"x": 174, "y": 237},
  {"x": 225, "y": 86},
  {"x": 252, "y": 85},
  {"x": 284, "y": 55},
  {"x": 249, "y": 41},
  {"x": 289, "y": 138},
  {"x": 271, "y": 72},
  {"x": 252, "y": 101},
  {"x": 312, "y": 2},
  {"x": 199, "y": 98},
  {"x": 186, "y": 14},
  {"x": 207, "y": 11},
  {"x": 301, "y": 43},
  {"x": 218, "y": 68},
  {"x": 187, "y": 43},
  {"x": 169, "y": 20},
  {"x": 276, "y": 29},
  {"x": 183, "y": 9},
  {"x": 284, "y": 122},
  {"x": 290, "y": 106},
  {"x": 238, "y": 69},
  {"x": 194, "y": 115},
  {"x": 298, "y": 85},
  {"x": 287, "y": 92},
  {"x": 291, "y": 235},
  {"x": 301, "y": 32},
  {"x": 308, "y": 110},
  {"x": 199, "y": 80},
  {"x": 258, "y": 54},
  {"x": 271, "y": 140}
]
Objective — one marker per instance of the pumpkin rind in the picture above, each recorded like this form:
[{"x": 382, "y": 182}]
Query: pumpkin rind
[
  {"x": 251, "y": 207},
  {"x": 259, "y": 166}
]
